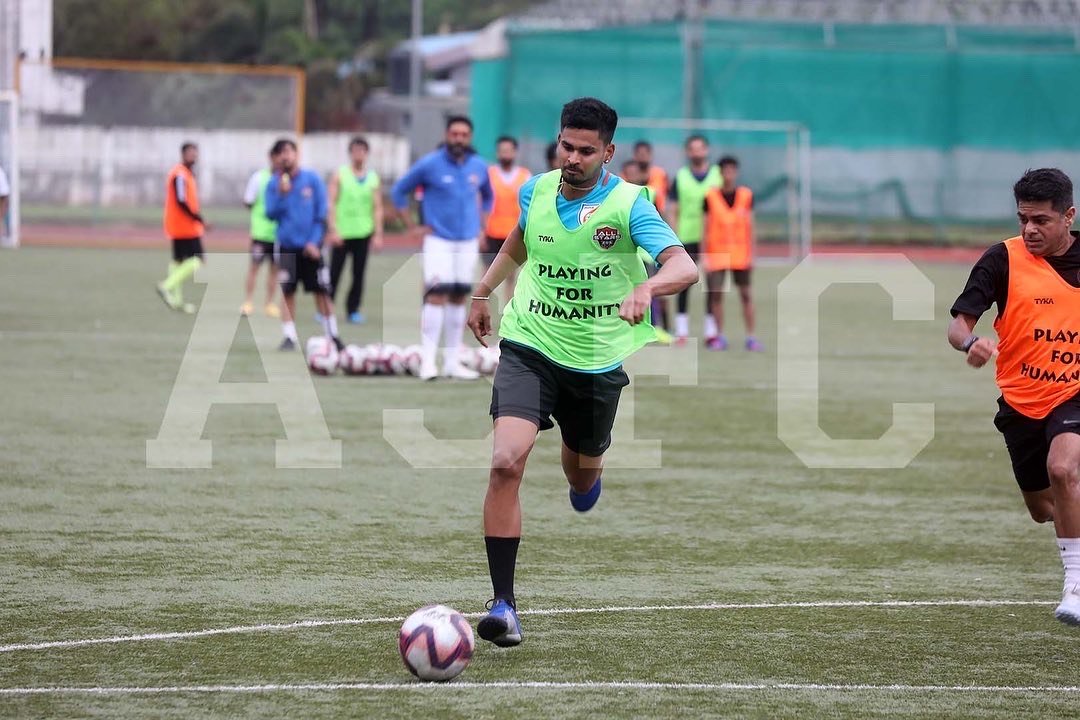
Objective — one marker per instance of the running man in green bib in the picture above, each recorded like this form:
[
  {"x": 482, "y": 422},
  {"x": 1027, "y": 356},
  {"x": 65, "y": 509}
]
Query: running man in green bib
[{"x": 580, "y": 308}]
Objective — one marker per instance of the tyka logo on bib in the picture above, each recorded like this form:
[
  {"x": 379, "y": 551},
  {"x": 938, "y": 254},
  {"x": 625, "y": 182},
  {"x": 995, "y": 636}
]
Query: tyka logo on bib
[{"x": 606, "y": 237}]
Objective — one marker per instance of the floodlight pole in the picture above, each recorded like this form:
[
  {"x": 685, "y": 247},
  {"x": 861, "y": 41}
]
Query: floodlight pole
[
  {"x": 414, "y": 71},
  {"x": 691, "y": 41}
]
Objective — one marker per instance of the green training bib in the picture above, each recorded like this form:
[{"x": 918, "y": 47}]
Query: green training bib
[
  {"x": 691, "y": 200},
  {"x": 566, "y": 304},
  {"x": 263, "y": 228},
  {"x": 355, "y": 209}
]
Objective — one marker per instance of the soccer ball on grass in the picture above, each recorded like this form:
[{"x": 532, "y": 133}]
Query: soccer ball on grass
[
  {"x": 322, "y": 355},
  {"x": 436, "y": 643}
]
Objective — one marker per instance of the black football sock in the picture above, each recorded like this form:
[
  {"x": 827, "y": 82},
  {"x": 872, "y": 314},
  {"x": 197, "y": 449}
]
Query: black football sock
[{"x": 502, "y": 558}]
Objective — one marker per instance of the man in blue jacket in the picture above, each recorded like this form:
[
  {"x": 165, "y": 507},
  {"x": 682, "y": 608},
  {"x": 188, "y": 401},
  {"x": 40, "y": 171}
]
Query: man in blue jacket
[
  {"x": 457, "y": 199},
  {"x": 296, "y": 200}
]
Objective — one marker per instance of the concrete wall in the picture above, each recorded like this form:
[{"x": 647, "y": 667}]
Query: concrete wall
[{"x": 126, "y": 167}]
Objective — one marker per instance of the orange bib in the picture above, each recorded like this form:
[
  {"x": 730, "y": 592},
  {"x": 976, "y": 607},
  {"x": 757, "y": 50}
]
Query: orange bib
[
  {"x": 729, "y": 231},
  {"x": 178, "y": 224},
  {"x": 658, "y": 182},
  {"x": 1038, "y": 364},
  {"x": 505, "y": 212}
]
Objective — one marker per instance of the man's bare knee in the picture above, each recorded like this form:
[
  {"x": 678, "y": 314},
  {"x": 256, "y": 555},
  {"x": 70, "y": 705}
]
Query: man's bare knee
[
  {"x": 507, "y": 466},
  {"x": 1063, "y": 476}
]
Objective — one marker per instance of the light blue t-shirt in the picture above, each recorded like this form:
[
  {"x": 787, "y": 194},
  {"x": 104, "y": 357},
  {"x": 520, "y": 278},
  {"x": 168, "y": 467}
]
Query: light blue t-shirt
[
  {"x": 451, "y": 188},
  {"x": 647, "y": 229}
]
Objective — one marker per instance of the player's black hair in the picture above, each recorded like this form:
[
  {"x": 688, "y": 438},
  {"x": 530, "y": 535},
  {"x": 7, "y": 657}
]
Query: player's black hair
[
  {"x": 551, "y": 152},
  {"x": 188, "y": 146},
  {"x": 359, "y": 140},
  {"x": 279, "y": 146},
  {"x": 507, "y": 138},
  {"x": 458, "y": 119},
  {"x": 643, "y": 144},
  {"x": 1045, "y": 184},
  {"x": 692, "y": 138},
  {"x": 728, "y": 160},
  {"x": 587, "y": 113}
]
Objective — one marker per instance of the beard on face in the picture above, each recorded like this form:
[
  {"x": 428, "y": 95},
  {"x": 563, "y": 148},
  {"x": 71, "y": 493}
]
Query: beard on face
[
  {"x": 456, "y": 149},
  {"x": 506, "y": 164}
]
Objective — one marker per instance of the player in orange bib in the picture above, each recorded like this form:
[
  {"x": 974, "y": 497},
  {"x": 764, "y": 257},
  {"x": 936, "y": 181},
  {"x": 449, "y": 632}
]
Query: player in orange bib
[
  {"x": 655, "y": 177},
  {"x": 729, "y": 245},
  {"x": 184, "y": 226},
  {"x": 1034, "y": 279},
  {"x": 506, "y": 178}
]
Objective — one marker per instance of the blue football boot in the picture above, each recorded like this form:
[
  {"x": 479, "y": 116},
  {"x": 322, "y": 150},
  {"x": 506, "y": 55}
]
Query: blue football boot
[
  {"x": 583, "y": 502},
  {"x": 500, "y": 625}
]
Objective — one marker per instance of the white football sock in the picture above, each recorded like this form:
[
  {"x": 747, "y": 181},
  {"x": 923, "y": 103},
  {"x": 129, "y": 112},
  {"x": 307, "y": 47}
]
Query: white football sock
[
  {"x": 431, "y": 325},
  {"x": 453, "y": 331},
  {"x": 289, "y": 328},
  {"x": 330, "y": 325},
  {"x": 1070, "y": 558},
  {"x": 682, "y": 324},
  {"x": 710, "y": 326}
]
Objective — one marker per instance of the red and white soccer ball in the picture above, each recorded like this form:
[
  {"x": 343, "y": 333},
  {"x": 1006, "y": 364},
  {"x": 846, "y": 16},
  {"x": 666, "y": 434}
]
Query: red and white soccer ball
[
  {"x": 411, "y": 357},
  {"x": 487, "y": 360},
  {"x": 376, "y": 361},
  {"x": 353, "y": 358},
  {"x": 468, "y": 357},
  {"x": 322, "y": 355},
  {"x": 393, "y": 359},
  {"x": 436, "y": 643}
]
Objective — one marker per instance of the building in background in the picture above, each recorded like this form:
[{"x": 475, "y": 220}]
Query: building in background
[{"x": 446, "y": 78}]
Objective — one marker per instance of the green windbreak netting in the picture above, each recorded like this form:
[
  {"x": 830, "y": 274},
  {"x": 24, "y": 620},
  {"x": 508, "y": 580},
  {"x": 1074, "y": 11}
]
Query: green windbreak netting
[
  {"x": 637, "y": 70},
  {"x": 920, "y": 122}
]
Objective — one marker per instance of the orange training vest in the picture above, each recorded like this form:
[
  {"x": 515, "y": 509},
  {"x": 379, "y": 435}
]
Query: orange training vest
[
  {"x": 505, "y": 212},
  {"x": 1038, "y": 364},
  {"x": 658, "y": 182},
  {"x": 178, "y": 224},
  {"x": 729, "y": 231}
]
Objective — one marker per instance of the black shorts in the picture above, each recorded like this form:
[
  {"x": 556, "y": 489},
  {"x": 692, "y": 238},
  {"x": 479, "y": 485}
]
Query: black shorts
[
  {"x": 261, "y": 251},
  {"x": 294, "y": 267},
  {"x": 715, "y": 279},
  {"x": 492, "y": 246},
  {"x": 528, "y": 385},
  {"x": 184, "y": 248},
  {"x": 1028, "y": 440}
]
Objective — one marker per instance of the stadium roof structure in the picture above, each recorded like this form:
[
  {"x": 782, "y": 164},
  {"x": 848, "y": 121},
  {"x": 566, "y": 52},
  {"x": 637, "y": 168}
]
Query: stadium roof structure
[
  {"x": 574, "y": 14},
  {"x": 439, "y": 51}
]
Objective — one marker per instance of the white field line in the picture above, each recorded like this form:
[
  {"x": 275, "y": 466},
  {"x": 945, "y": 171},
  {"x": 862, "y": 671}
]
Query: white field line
[
  {"x": 461, "y": 686},
  {"x": 270, "y": 627}
]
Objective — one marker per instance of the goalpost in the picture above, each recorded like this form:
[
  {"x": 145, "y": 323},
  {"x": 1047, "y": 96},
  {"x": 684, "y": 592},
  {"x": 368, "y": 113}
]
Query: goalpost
[
  {"x": 9, "y": 161},
  {"x": 774, "y": 159}
]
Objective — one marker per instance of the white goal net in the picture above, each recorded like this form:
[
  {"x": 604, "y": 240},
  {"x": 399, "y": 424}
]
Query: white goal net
[{"x": 9, "y": 163}]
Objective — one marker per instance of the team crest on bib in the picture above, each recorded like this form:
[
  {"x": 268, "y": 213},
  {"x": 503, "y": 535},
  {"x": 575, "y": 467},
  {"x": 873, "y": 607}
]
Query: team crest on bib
[
  {"x": 606, "y": 237},
  {"x": 585, "y": 212}
]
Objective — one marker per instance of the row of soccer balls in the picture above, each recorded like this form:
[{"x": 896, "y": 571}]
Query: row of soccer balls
[{"x": 323, "y": 358}]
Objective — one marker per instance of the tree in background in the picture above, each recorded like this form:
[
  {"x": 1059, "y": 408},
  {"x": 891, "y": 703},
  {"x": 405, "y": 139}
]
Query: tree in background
[{"x": 322, "y": 36}]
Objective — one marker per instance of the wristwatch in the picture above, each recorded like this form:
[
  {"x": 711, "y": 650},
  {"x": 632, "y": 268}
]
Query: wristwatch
[{"x": 966, "y": 345}]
